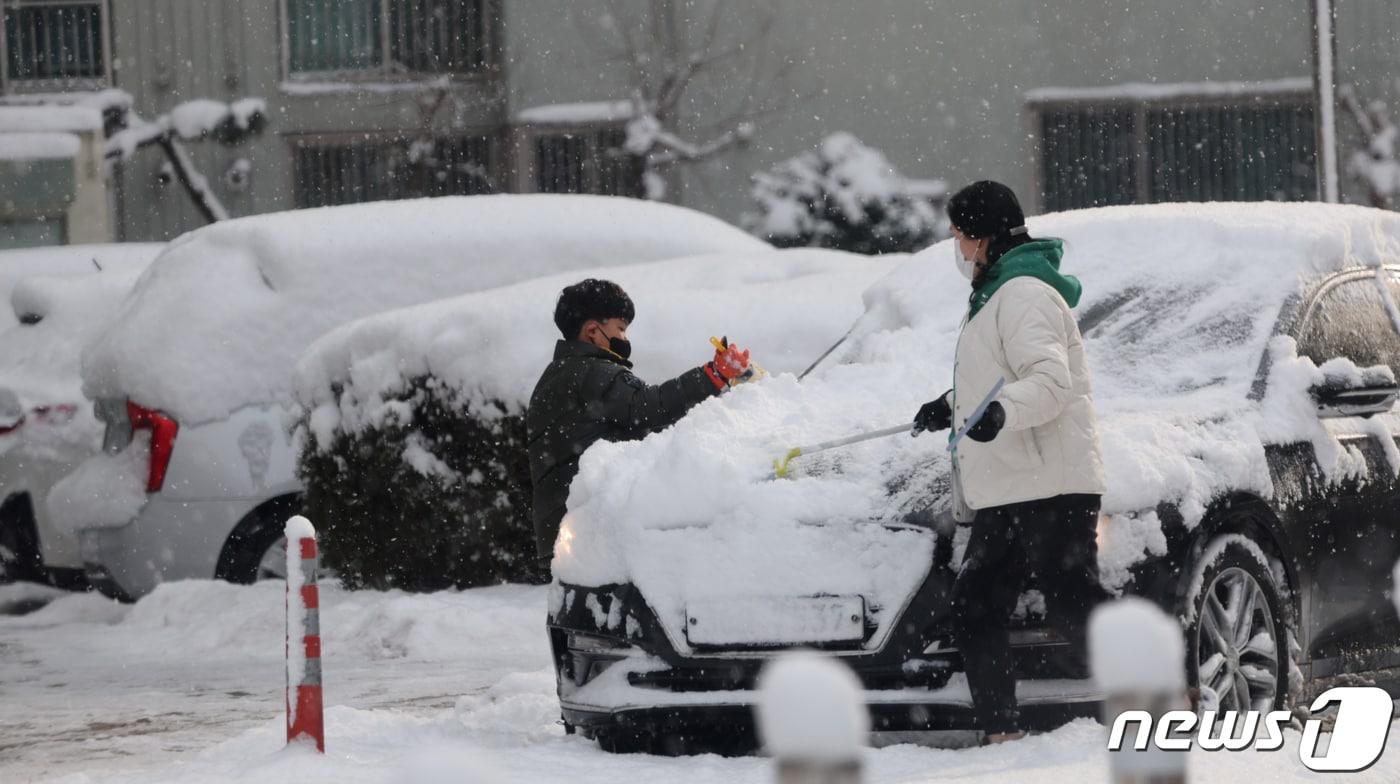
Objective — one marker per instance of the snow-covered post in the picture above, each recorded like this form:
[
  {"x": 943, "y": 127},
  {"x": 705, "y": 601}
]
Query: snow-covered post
[
  {"x": 812, "y": 718},
  {"x": 304, "y": 717},
  {"x": 1137, "y": 655}
]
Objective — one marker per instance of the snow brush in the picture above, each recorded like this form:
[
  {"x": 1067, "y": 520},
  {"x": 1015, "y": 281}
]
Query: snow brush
[
  {"x": 780, "y": 464},
  {"x": 755, "y": 370}
]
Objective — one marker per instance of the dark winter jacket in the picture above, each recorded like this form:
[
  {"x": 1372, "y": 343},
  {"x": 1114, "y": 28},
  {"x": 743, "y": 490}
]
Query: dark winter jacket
[{"x": 585, "y": 395}]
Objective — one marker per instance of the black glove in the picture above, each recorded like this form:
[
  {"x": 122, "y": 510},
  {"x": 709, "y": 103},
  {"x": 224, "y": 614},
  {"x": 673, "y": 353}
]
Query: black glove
[
  {"x": 934, "y": 416},
  {"x": 989, "y": 425}
]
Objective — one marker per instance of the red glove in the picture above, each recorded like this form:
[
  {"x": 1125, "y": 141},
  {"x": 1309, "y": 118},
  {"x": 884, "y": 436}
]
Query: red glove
[{"x": 729, "y": 366}]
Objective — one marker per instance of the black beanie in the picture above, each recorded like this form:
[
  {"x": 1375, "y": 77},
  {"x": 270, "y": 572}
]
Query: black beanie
[
  {"x": 591, "y": 300},
  {"x": 985, "y": 209}
]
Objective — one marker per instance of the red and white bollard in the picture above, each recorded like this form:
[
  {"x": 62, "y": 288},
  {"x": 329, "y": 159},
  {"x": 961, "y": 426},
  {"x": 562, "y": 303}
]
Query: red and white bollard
[{"x": 304, "y": 715}]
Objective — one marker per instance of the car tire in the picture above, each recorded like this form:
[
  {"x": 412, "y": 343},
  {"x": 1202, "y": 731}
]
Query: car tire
[
  {"x": 1237, "y": 638},
  {"x": 19, "y": 544},
  {"x": 256, "y": 550}
]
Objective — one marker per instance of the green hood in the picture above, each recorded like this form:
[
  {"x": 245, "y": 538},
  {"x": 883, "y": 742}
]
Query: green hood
[{"x": 1037, "y": 259}]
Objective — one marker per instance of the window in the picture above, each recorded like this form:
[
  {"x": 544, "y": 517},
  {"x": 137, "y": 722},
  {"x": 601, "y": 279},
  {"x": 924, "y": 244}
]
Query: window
[
  {"x": 1176, "y": 143},
  {"x": 54, "y": 43},
  {"x": 1349, "y": 320},
  {"x": 346, "y": 171},
  {"x": 389, "y": 37},
  {"x": 587, "y": 162},
  {"x": 31, "y": 233}
]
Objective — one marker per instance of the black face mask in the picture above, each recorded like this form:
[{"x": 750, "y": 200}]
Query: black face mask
[{"x": 620, "y": 346}]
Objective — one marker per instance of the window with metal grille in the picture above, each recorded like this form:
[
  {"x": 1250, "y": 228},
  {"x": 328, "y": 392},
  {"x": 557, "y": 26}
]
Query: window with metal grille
[
  {"x": 389, "y": 37},
  {"x": 1173, "y": 145},
  {"x": 55, "y": 43},
  {"x": 345, "y": 171},
  {"x": 587, "y": 162}
]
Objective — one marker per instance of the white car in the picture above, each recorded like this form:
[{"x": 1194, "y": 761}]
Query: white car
[
  {"x": 57, "y": 299},
  {"x": 194, "y": 378}
]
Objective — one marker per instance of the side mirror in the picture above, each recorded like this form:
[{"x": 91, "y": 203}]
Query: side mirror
[{"x": 1375, "y": 396}]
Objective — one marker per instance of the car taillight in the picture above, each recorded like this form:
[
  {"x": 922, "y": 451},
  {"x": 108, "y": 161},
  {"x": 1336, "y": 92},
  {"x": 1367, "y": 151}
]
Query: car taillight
[{"x": 163, "y": 430}]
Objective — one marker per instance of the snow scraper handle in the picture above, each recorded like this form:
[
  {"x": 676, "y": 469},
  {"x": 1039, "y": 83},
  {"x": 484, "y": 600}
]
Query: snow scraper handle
[
  {"x": 780, "y": 465},
  {"x": 826, "y": 354},
  {"x": 976, "y": 415}
]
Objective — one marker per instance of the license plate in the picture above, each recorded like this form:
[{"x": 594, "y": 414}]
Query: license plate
[{"x": 783, "y": 620}]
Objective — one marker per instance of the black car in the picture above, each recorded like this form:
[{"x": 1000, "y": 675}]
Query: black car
[{"x": 1282, "y": 582}]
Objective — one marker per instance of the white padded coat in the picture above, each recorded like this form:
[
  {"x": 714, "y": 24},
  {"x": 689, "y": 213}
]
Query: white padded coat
[{"x": 1049, "y": 445}]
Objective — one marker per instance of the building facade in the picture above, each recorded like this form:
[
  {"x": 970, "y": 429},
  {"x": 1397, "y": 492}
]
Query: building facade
[{"x": 1073, "y": 104}]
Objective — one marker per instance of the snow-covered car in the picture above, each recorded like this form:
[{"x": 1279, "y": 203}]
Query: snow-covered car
[
  {"x": 58, "y": 299},
  {"x": 389, "y": 400},
  {"x": 1244, "y": 361},
  {"x": 193, "y": 379}
]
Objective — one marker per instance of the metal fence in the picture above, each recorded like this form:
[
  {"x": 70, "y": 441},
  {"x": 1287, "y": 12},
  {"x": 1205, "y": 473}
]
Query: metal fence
[
  {"x": 55, "y": 43},
  {"x": 591, "y": 161},
  {"x": 347, "y": 171},
  {"x": 1203, "y": 148}
]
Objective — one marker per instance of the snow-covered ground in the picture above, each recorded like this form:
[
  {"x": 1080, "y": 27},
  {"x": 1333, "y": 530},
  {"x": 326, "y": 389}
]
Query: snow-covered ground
[{"x": 186, "y": 686}]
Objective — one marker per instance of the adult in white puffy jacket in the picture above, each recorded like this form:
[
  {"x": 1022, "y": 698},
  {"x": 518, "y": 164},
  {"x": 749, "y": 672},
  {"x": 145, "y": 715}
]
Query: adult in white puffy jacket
[{"x": 1028, "y": 474}]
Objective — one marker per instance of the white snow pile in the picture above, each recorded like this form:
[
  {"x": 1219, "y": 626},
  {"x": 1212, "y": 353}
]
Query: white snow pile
[
  {"x": 59, "y": 301},
  {"x": 247, "y": 296},
  {"x": 1179, "y": 305},
  {"x": 812, "y": 708},
  {"x": 786, "y": 307},
  {"x": 103, "y": 490},
  {"x": 39, "y": 119},
  {"x": 66, "y": 261},
  {"x": 173, "y": 623},
  {"x": 1134, "y": 646},
  {"x": 38, "y": 146}
]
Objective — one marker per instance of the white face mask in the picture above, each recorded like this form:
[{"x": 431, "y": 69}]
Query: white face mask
[{"x": 967, "y": 268}]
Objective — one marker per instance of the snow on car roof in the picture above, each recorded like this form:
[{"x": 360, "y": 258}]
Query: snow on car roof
[
  {"x": 1179, "y": 304},
  {"x": 786, "y": 307},
  {"x": 218, "y": 321}
]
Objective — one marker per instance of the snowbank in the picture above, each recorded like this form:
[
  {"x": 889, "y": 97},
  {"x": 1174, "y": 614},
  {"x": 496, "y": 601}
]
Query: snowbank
[
  {"x": 787, "y": 307},
  {"x": 1179, "y": 305},
  {"x": 250, "y": 294},
  {"x": 173, "y": 622}
]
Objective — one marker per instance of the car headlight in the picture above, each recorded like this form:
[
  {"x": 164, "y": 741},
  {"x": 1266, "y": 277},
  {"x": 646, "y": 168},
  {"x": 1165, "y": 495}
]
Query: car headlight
[{"x": 590, "y": 656}]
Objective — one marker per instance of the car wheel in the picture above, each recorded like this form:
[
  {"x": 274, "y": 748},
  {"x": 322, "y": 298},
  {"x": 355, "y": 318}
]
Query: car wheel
[
  {"x": 1237, "y": 643},
  {"x": 19, "y": 546},
  {"x": 256, "y": 550}
]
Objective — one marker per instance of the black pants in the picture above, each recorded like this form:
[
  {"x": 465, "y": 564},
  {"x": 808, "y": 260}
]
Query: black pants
[{"x": 1052, "y": 539}]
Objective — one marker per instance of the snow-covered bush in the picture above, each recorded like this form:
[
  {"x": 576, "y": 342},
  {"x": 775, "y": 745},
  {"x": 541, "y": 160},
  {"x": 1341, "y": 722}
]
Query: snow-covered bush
[
  {"x": 415, "y": 451},
  {"x": 436, "y": 497},
  {"x": 847, "y": 196}
]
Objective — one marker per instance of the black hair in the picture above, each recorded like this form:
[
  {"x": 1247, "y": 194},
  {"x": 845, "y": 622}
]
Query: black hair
[
  {"x": 591, "y": 300},
  {"x": 989, "y": 210}
]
